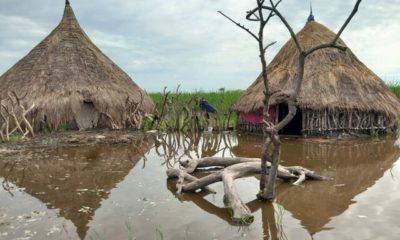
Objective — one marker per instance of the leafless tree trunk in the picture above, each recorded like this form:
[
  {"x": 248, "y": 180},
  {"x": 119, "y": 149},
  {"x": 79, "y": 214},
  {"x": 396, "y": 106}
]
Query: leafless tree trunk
[{"x": 272, "y": 145}]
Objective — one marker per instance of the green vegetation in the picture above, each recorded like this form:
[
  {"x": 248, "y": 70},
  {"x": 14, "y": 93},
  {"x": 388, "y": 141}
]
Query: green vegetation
[
  {"x": 279, "y": 212},
  {"x": 160, "y": 233},
  {"x": 222, "y": 100},
  {"x": 45, "y": 131},
  {"x": 179, "y": 111},
  {"x": 226, "y": 201},
  {"x": 16, "y": 137},
  {"x": 62, "y": 128},
  {"x": 130, "y": 231},
  {"x": 395, "y": 88},
  {"x": 373, "y": 133},
  {"x": 247, "y": 220}
]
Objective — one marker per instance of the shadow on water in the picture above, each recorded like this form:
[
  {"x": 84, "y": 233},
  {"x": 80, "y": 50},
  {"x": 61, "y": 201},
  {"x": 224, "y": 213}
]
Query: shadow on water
[{"x": 79, "y": 180}]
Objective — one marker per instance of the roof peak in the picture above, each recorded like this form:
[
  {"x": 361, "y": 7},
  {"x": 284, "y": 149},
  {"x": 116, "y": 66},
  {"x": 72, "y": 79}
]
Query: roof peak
[
  {"x": 69, "y": 21},
  {"x": 311, "y": 16}
]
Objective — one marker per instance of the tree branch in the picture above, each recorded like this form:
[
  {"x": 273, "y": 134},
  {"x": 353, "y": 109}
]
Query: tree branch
[
  {"x": 269, "y": 45},
  {"x": 333, "y": 44},
  {"x": 287, "y": 25},
  {"x": 240, "y": 25},
  {"x": 325, "y": 45},
  {"x": 355, "y": 9}
]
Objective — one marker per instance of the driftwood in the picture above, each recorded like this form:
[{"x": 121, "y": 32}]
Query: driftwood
[
  {"x": 14, "y": 118},
  {"x": 229, "y": 169}
]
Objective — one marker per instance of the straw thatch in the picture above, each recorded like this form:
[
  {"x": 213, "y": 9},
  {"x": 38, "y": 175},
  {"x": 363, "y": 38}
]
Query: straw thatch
[
  {"x": 334, "y": 80},
  {"x": 73, "y": 83}
]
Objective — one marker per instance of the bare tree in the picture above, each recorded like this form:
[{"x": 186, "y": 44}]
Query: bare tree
[{"x": 272, "y": 145}]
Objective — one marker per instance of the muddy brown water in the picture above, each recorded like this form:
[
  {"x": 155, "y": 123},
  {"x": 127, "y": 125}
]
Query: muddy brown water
[{"x": 121, "y": 191}]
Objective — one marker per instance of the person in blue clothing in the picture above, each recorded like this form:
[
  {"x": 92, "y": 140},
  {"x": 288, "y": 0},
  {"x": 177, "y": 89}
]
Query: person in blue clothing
[{"x": 208, "y": 109}]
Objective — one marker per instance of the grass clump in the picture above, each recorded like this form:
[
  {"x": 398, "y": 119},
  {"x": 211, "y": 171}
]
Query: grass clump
[
  {"x": 247, "y": 220},
  {"x": 62, "y": 128},
  {"x": 16, "y": 138}
]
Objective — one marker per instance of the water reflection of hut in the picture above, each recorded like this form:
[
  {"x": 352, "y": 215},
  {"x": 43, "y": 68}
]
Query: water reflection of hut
[
  {"x": 74, "y": 180},
  {"x": 355, "y": 165},
  {"x": 339, "y": 93},
  {"x": 73, "y": 83}
]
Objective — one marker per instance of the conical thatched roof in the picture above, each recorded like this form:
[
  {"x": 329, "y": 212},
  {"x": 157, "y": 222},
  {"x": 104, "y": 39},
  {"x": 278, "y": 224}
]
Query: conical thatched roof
[
  {"x": 65, "y": 71},
  {"x": 333, "y": 79}
]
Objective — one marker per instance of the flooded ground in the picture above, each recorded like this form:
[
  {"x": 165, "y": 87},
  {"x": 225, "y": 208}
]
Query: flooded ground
[{"x": 121, "y": 191}]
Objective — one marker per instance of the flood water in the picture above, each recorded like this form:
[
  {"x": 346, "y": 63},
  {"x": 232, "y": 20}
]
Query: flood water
[{"x": 121, "y": 191}]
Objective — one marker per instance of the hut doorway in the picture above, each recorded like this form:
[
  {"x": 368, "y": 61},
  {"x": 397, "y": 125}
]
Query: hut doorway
[
  {"x": 294, "y": 127},
  {"x": 87, "y": 117}
]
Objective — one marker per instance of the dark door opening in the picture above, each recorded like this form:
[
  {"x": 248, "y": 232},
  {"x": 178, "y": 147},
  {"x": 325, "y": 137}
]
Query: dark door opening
[{"x": 294, "y": 126}]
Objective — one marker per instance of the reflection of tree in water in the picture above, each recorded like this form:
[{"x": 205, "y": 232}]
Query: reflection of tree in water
[
  {"x": 175, "y": 147},
  {"x": 74, "y": 180},
  {"x": 272, "y": 228}
]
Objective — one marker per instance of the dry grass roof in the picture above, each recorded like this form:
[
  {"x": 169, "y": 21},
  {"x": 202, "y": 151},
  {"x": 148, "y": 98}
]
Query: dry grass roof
[
  {"x": 64, "y": 70},
  {"x": 333, "y": 79}
]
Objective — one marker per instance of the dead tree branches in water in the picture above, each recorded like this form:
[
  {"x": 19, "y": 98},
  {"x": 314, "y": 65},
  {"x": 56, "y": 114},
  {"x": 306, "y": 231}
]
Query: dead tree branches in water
[
  {"x": 14, "y": 120},
  {"x": 272, "y": 145},
  {"x": 229, "y": 170}
]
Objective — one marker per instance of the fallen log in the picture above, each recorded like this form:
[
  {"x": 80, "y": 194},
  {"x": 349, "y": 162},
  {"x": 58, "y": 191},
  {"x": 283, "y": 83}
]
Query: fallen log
[{"x": 229, "y": 170}]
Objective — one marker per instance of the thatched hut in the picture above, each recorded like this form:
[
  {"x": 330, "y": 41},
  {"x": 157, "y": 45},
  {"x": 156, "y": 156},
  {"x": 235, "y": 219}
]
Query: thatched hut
[
  {"x": 72, "y": 83},
  {"x": 339, "y": 93}
]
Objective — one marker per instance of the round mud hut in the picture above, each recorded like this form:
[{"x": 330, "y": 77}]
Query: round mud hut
[
  {"x": 339, "y": 93},
  {"x": 73, "y": 84}
]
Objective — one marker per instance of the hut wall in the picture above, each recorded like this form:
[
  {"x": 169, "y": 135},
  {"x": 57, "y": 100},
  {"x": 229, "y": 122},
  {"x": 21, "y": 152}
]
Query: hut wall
[
  {"x": 244, "y": 126},
  {"x": 252, "y": 122},
  {"x": 327, "y": 122}
]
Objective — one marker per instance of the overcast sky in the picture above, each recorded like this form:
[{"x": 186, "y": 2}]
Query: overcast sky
[{"x": 169, "y": 42}]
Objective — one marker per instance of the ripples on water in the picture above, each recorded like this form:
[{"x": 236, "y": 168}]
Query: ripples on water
[{"x": 121, "y": 191}]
